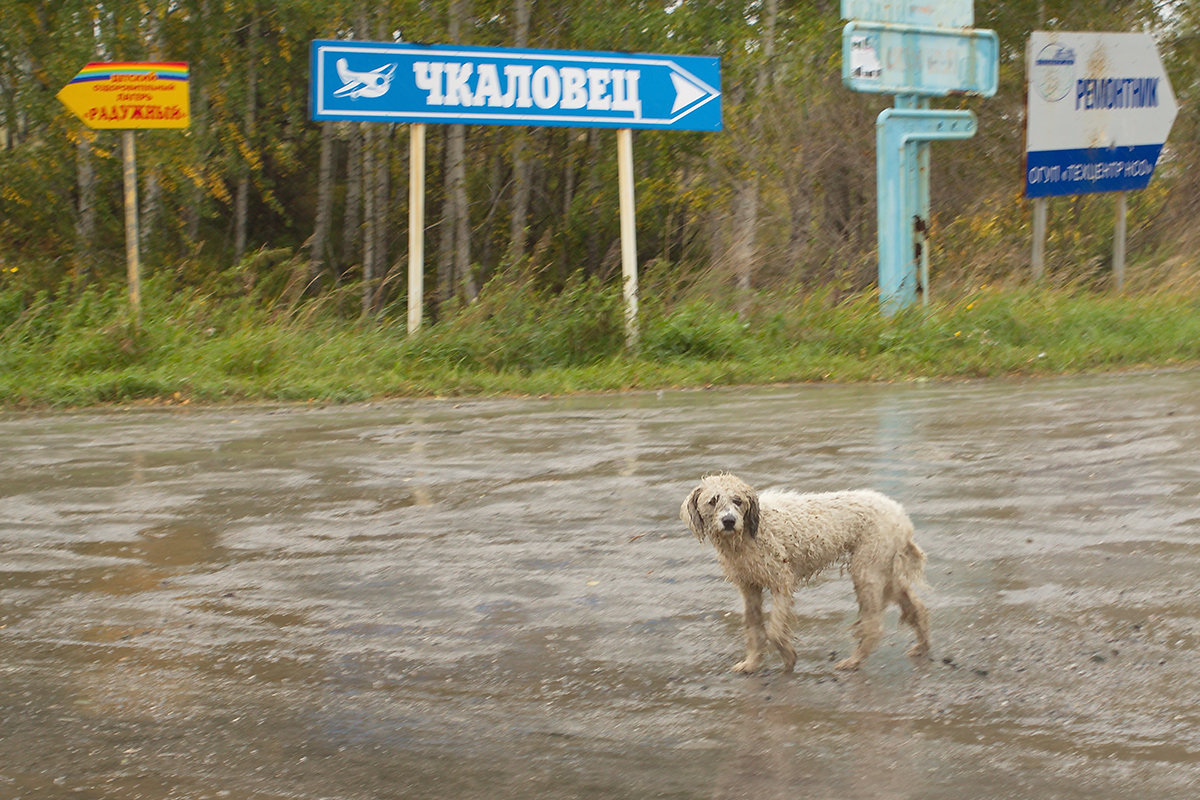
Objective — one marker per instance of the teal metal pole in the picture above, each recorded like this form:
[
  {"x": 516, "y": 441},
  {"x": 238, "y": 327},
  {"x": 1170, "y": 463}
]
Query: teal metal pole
[{"x": 903, "y": 196}]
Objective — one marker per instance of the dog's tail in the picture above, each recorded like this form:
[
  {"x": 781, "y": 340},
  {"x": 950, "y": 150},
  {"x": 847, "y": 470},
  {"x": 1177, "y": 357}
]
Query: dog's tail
[{"x": 909, "y": 567}]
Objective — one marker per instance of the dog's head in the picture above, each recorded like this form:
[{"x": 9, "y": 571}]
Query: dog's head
[{"x": 722, "y": 505}]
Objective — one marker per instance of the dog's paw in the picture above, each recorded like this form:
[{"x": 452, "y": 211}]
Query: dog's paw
[
  {"x": 918, "y": 651},
  {"x": 745, "y": 667}
]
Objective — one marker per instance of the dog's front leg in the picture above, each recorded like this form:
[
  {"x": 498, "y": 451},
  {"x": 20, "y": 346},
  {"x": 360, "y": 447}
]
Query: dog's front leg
[
  {"x": 779, "y": 631},
  {"x": 753, "y": 622}
]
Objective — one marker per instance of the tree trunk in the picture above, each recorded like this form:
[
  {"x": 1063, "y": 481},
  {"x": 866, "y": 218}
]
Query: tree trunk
[
  {"x": 383, "y": 137},
  {"x": 151, "y": 194},
  {"x": 85, "y": 222},
  {"x": 192, "y": 213},
  {"x": 370, "y": 220},
  {"x": 743, "y": 249},
  {"x": 352, "y": 220},
  {"x": 454, "y": 273},
  {"x": 319, "y": 243},
  {"x": 518, "y": 237},
  {"x": 462, "y": 217},
  {"x": 445, "y": 260},
  {"x": 242, "y": 199}
]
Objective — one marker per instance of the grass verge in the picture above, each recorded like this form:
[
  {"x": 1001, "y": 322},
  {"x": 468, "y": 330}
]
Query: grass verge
[{"x": 190, "y": 347}]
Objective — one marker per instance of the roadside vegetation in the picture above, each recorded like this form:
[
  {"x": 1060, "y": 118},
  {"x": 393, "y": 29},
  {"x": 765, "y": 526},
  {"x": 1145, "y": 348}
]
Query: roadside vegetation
[
  {"x": 274, "y": 247},
  {"x": 194, "y": 346}
]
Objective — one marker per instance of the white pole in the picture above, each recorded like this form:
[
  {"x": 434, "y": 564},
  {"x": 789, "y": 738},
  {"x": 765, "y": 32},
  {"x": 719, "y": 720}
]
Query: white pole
[
  {"x": 1119, "y": 244},
  {"x": 628, "y": 234},
  {"x": 132, "y": 258},
  {"x": 416, "y": 225},
  {"x": 1039, "y": 238}
]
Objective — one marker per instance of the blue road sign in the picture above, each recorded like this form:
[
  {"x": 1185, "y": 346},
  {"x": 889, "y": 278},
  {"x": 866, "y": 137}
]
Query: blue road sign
[
  {"x": 930, "y": 62},
  {"x": 383, "y": 82},
  {"x": 939, "y": 14}
]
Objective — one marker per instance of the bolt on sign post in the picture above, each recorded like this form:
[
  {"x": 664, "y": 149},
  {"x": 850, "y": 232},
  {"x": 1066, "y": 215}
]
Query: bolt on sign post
[
  {"x": 127, "y": 96},
  {"x": 448, "y": 84},
  {"x": 1100, "y": 106},
  {"x": 915, "y": 50}
]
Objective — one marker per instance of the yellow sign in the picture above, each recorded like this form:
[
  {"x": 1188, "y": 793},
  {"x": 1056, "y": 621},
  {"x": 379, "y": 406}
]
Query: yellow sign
[{"x": 144, "y": 94}]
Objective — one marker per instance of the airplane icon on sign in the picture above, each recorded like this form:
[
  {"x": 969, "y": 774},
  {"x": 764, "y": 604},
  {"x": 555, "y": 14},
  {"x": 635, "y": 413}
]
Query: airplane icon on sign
[{"x": 363, "y": 84}]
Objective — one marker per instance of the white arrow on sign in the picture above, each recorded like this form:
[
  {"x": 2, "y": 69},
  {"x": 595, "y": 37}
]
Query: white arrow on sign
[
  {"x": 686, "y": 92},
  {"x": 1100, "y": 109}
]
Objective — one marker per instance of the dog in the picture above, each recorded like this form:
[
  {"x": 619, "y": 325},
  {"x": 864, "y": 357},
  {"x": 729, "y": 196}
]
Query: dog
[{"x": 778, "y": 539}]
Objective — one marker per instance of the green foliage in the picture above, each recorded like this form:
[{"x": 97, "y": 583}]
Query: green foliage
[
  {"x": 517, "y": 338},
  {"x": 515, "y": 326},
  {"x": 791, "y": 130},
  {"x": 267, "y": 318},
  {"x": 697, "y": 330}
]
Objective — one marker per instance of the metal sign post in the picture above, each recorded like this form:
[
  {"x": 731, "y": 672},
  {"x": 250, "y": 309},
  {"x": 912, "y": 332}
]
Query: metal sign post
[
  {"x": 628, "y": 234},
  {"x": 899, "y": 135},
  {"x": 915, "y": 51},
  {"x": 416, "y": 224},
  {"x": 419, "y": 84},
  {"x": 133, "y": 263}
]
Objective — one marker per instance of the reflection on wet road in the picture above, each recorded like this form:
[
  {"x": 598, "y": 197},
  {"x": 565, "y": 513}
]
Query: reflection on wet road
[{"x": 495, "y": 599}]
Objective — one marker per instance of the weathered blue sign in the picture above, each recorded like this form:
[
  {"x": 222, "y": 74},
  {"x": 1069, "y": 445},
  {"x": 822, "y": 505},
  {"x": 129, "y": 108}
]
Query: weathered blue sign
[
  {"x": 383, "y": 82},
  {"x": 939, "y": 14},
  {"x": 930, "y": 62}
]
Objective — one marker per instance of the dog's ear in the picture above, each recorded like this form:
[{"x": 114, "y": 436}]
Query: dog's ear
[
  {"x": 690, "y": 513},
  {"x": 752, "y": 515}
]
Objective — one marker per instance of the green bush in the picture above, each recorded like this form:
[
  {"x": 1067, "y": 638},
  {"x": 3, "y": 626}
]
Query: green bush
[
  {"x": 698, "y": 330},
  {"x": 80, "y": 347}
]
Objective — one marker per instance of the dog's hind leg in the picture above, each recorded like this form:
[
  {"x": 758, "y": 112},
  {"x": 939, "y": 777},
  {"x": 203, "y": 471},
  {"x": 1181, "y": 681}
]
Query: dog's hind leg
[
  {"x": 753, "y": 622},
  {"x": 779, "y": 629},
  {"x": 869, "y": 627},
  {"x": 914, "y": 613}
]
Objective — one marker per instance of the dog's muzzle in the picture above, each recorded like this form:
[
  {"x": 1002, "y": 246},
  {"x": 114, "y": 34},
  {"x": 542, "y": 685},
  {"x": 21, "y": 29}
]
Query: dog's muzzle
[{"x": 729, "y": 521}]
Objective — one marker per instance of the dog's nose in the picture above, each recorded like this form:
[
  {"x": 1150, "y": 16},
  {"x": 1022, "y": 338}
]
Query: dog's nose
[{"x": 729, "y": 521}]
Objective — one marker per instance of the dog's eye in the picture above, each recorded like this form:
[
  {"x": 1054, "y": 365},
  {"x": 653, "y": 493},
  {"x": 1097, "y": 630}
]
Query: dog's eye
[
  {"x": 712, "y": 500},
  {"x": 737, "y": 501}
]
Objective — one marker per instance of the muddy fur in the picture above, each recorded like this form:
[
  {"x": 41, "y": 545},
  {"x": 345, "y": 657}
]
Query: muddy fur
[{"x": 777, "y": 540}]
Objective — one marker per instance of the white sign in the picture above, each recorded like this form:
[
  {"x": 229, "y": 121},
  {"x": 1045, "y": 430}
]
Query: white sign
[{"x": 1100, "y": 108}]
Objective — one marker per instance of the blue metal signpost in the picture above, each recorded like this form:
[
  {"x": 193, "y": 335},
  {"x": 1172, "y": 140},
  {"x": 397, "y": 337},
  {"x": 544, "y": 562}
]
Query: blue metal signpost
[
  {"x": 914, "y": 50},
  {"x": 898, "y": 132},
  {"x": 420, "y": 84}
]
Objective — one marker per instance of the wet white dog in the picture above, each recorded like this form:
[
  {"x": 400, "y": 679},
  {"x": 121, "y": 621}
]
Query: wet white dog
[{"x": 779, "y": 539}]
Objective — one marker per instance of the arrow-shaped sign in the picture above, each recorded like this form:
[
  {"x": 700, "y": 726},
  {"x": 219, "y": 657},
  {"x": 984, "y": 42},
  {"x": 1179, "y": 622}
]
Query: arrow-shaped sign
[
  {"x": 142, "y": 94},
  {"x": 1100, "y": 108},
  {"x": 382, "y": 82}
]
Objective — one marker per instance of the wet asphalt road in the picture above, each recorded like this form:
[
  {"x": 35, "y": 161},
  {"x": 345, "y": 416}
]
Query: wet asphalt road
[{"x": 495, "y": 598}]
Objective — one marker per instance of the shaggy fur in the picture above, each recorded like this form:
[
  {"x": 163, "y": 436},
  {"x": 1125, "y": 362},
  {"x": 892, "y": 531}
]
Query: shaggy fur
[{"x": 778, "y": 539}]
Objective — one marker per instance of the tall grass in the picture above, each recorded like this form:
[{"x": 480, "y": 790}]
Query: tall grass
[{"x": 83, "y": 348}]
